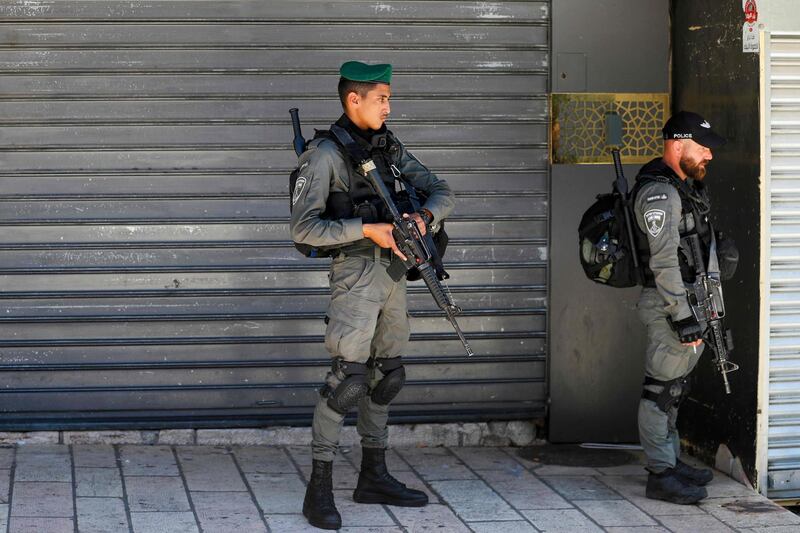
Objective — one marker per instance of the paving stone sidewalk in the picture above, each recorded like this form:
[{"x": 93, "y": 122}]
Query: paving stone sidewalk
[{"x": 96, "y": 488}]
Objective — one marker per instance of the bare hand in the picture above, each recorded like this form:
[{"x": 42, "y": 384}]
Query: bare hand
[
  {"x": 694, "y": 344},
  {"x": 420, "y": 223},
  {"x": 381, "y": 234}
]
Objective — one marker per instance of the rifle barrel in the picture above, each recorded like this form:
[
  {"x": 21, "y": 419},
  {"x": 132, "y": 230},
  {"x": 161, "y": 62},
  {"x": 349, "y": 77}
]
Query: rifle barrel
[
  {"x": 460, "y": 334},
  {"x": 725, "y": 380}
]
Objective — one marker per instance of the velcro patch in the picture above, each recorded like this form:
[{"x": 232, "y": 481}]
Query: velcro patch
[
  {"x": 654, "y": 220},
  {"x": 298, "y": 188},
  {"x": 656, "y": 198}
]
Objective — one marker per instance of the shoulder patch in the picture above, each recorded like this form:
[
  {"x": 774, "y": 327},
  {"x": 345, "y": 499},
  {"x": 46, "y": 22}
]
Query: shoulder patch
[
  {"x": 655, "y": 198},
  {"x": 654, "y": 220},
  {"x": 299, "y": 185}
]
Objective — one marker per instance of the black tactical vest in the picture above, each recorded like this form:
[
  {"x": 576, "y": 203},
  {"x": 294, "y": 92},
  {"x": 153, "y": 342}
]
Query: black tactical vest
[
  {"x": 361, "y": 200},
  {"x": 695, "y": 206}
]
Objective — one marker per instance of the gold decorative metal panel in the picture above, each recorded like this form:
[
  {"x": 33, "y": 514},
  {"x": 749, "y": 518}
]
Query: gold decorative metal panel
[{"x": 578, "y": 126}]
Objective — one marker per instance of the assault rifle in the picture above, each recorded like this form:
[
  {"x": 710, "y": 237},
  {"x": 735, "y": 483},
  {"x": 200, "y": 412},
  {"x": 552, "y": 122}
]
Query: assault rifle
[
  {"x": 705, "y": 298},
  {"x": 620, "y": 185},
  {"x": 419, "y": 250}
]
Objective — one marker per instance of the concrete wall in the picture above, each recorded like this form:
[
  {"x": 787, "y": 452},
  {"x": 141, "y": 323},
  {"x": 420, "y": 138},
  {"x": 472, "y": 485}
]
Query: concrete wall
[
  {"x": 778, "y": 15},
  {"x": 711, "y": 75},
  {"x": 597, "y": 343}
]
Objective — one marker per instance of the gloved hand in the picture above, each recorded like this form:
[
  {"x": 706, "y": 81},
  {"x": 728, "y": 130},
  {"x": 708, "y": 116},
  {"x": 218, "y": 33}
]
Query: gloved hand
[{"x": 688, "y": 329}]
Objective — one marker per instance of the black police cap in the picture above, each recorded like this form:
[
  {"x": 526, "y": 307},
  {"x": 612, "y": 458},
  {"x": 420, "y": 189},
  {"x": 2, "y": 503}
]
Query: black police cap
[{"x": 688, "y": 125}]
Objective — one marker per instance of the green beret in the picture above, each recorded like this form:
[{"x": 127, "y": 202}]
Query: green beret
[{"x": 358, "y": 71}]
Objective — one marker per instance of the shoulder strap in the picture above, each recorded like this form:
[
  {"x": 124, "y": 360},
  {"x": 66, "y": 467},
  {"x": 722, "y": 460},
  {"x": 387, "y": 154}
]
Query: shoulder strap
[
  {"x": 346, "y": 141},
  {"x": 352, "y": 153},
  {"x": 680, "y": 185},
  {"x": 644, "y": 178}
]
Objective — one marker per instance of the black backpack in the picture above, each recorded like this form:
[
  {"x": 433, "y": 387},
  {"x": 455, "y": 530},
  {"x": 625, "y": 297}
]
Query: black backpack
[
  {"x": 606, "y": 253},
  {"x": 296, "y": 184},
  {"x": 608, "y": 248},
  {"x": 305, "y": 249},
  {"x": 607, "y": 234}
]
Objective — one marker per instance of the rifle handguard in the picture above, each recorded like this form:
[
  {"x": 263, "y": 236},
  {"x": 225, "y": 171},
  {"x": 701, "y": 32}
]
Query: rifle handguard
[{"x": 428, "y": 275}]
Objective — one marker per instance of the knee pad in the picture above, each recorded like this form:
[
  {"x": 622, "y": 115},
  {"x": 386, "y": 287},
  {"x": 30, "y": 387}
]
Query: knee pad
[
  {"x": 394, "y": 377},
  {"x": 673, "y": 392},
  {"x": 352, "y": 387}
]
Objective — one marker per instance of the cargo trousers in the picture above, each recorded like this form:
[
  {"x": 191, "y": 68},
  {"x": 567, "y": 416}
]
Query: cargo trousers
[
  {"x": 367, "y": 318},
  {"x": 665, "y": 359}
]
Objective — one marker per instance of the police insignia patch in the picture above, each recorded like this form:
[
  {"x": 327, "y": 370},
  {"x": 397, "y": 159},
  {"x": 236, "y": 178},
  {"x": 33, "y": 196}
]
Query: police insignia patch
[
  {"x": 654, "y": 220},
  {"x": 298, "y": 188},
  {"x": 655, "y": 198}
]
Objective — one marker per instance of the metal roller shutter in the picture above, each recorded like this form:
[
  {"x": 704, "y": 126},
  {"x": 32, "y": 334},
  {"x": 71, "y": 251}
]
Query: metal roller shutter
[
  {"x": 146, "y": 274},
  {"x": 783, "y": 195}
]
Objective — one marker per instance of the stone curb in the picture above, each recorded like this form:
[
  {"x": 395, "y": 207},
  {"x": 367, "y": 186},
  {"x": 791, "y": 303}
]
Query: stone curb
[{"x": 507, "y": 433}]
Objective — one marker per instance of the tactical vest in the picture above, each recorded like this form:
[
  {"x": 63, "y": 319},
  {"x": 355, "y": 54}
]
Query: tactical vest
[
  {"x": 360, "y": 200},
  {"x": 694, "y": 219}
]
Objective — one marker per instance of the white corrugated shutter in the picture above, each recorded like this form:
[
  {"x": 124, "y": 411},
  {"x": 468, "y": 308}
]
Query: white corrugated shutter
[{"x": 782, "y": 188}]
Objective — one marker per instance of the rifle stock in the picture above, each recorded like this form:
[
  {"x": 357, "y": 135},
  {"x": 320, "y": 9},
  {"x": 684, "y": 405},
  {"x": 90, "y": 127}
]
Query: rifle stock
[
  {"x": 299, "y": 143},
  {"x": 621, "y": 188},
  {"x": 613, "y": 131}
]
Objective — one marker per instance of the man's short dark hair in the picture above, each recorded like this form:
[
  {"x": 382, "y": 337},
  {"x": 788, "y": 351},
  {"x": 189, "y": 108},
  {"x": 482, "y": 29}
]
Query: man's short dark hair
[{"x": 361, "y": 88}]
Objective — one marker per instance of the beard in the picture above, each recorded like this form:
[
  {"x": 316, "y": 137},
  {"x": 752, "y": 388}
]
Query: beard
[{"x": 695, "y": 171}]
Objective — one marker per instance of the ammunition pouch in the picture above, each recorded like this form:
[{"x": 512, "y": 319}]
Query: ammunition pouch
[
  {"x": 369, "y": 211},
  {"x": 673, "y": 392}
]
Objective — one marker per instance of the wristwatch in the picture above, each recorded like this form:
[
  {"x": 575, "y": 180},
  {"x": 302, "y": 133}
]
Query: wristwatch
[{"x": 426, "y": 215}]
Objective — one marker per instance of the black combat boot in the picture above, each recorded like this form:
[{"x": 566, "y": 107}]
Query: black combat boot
[
  {"x": 376, "y": 485},
  {"x": 318, "y": 505},
  {"x": 693, "y": 476},
  {"x": 670, "y": 487}
]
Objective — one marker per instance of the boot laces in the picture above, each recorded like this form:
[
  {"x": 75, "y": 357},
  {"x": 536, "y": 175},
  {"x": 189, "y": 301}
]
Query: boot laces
[
  {"x": 326, "y": 501},
  {"x": 323, "y": 485},
  {"x": 386, "y": 477},
  {"x": 325, "y": 492}
]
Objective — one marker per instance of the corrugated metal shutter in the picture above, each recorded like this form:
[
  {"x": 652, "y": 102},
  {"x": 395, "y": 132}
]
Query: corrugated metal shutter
[
  {"x": 146, "y": 273},
  {"x": 783, "y": 152}
]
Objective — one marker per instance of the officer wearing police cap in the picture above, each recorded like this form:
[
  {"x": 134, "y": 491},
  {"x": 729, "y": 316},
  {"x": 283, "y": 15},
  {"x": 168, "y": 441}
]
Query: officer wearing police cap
[
  {"x": 367, "y": 319},
  {"x": 669, "y": 203}
]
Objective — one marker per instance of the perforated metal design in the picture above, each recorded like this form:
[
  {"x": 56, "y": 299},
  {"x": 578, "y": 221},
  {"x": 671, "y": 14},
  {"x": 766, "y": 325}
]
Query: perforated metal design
[{"x": 578, "y": 126}]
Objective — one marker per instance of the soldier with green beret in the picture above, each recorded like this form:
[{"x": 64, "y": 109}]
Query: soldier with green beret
[
  {"x": 358, "y": 71},
  {"x": 333, "y": 209}
]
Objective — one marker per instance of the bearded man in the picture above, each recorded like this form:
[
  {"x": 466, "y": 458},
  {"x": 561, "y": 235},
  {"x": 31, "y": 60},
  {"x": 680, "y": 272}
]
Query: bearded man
[{"x": 670, "y": 204}]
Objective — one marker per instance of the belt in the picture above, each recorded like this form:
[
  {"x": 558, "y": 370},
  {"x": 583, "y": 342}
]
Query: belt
[
  {"x": 375, "y": 253},
  {"x": 650, "y": 395}
]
